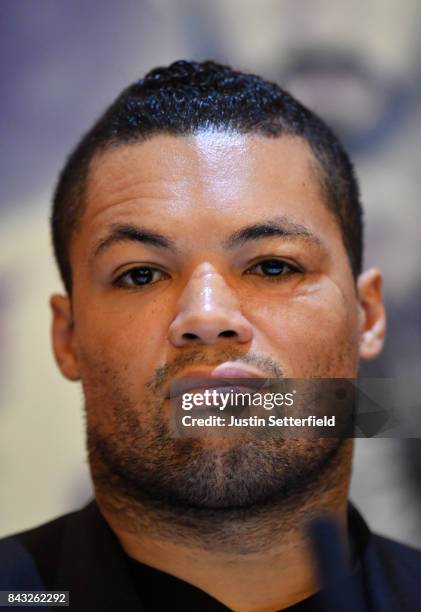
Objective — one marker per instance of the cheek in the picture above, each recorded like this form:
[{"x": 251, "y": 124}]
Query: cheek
[
  {"x": 126, "y": 343},
  {"x": 314, "y": 334}
]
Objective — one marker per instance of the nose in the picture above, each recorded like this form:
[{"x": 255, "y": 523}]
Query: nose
[{"x": 208, "y": 311}]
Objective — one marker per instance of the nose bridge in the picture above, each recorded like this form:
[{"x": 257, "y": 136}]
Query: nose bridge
[
  {"x": 207, "y": 290},
  {"x": 207, "y": 310}
]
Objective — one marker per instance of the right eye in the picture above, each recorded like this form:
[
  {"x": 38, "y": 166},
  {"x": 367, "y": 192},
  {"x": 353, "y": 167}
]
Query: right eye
[{"x": 139, "y": 277}]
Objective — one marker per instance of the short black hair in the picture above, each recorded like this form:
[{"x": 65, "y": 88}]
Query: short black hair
[{"x": 185, "y": 98}]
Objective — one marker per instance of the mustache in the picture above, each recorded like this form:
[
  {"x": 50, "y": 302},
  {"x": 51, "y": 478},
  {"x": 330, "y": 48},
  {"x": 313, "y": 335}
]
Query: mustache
[{"x": 163, "y": 373}]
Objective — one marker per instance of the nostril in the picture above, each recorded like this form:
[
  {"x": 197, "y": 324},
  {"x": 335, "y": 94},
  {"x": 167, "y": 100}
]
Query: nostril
[
  {"x": 229, "y": 333},
  {"x": 189, "y": 336}
]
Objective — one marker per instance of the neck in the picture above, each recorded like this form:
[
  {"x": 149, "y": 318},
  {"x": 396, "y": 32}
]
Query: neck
[{"x": 215, "y": 550}]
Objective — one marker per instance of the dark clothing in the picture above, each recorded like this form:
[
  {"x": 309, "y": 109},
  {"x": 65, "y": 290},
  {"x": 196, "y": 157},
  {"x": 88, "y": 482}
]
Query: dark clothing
[{"x": 78, "y": 552}]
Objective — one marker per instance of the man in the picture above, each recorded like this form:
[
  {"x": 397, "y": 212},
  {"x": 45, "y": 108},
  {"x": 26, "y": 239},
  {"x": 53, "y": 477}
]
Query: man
[{"x": 207, "y": 225}]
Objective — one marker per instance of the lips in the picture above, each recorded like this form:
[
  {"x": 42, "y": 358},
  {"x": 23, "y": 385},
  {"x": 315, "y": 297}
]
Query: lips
[{"x": 223, "y": 376}]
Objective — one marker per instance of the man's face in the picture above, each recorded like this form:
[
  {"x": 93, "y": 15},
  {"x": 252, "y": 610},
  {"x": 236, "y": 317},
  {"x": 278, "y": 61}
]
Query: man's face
[{"x": 144, "y": 312}]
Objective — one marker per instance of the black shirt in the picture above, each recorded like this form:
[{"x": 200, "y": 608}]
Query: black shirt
[{"x": 80, "y": 553}]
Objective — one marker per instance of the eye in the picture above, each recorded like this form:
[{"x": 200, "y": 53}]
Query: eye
[
  {"x": 273, "y": 269},
  {"x": 139, "y": 277}
]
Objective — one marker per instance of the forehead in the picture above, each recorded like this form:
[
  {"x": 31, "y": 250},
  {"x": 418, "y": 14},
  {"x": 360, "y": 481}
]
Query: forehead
[{"x": 220, "y": 172}]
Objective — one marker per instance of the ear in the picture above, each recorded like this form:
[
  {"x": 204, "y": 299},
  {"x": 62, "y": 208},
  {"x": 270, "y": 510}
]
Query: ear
[
  {"x": 372, "y": 313},
  {"x": 62, "y": 333}
]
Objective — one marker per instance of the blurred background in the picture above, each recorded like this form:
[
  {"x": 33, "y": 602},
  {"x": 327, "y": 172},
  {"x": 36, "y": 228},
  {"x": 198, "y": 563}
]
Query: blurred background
[{"x": 358, "y": 64}]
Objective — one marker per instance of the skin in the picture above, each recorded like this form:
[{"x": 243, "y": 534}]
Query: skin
[{"x": 212, "y": 510}]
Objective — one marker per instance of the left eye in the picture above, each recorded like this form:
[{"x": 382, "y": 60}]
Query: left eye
[
  {"x": 139, "y": 277},
  {"x": 273, "y": 268}
]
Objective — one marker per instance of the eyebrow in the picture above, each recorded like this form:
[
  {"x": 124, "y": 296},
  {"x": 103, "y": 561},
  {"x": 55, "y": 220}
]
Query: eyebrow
[
  {"x": 279, "y": 227},
  {"x": 132, "y": 233}
]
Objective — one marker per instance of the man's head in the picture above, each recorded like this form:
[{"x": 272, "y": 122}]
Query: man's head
[{"x": 227, "y": 231}]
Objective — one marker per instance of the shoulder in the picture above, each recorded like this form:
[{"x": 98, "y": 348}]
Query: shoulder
[
  {"x": 403, "y": 560},
  {"x": 393, "y": 575},
  {"x": 29, "y": 559}
]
